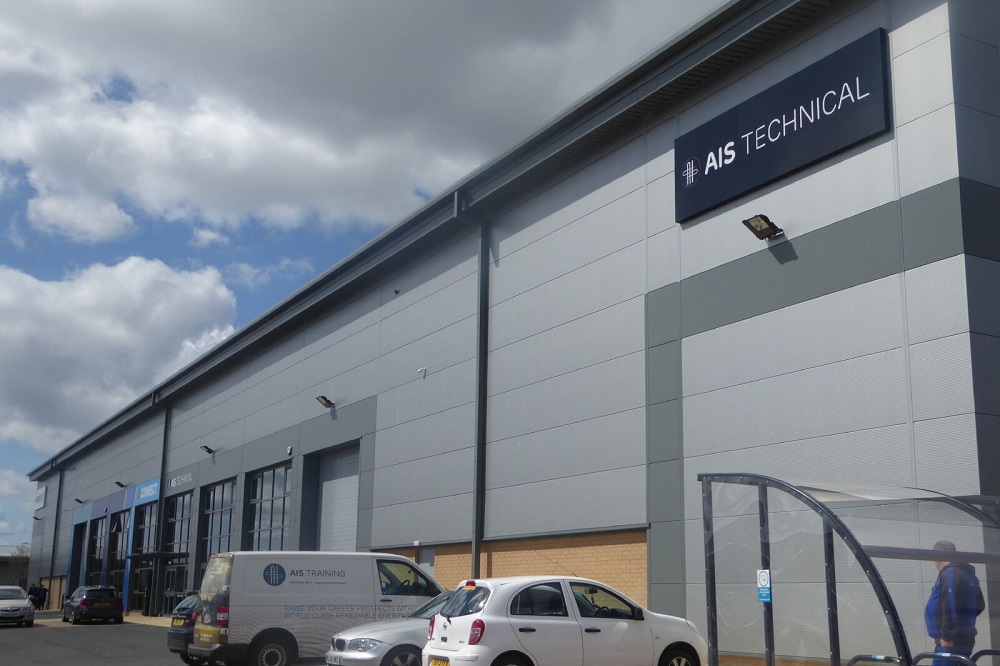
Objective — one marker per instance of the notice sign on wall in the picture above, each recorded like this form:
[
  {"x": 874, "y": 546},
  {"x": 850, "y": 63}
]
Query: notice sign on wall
[{"x": 834, "y": 104}]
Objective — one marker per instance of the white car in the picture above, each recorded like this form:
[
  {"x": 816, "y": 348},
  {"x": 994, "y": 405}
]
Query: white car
[
  {"x": 15, "y": 606},
  {"x": 556, "y": 621},
  {"x": 385, "y": 643}
]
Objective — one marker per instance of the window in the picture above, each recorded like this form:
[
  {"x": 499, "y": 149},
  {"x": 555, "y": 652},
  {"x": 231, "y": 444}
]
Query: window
[
  {"x": 217, "y": 518},
  {"x": 119, "y": 549},
  {"x": 544, "y": 599},
  {"x": 179, "y": 523},
  {"x": 95, "y": 550},
  {"x": 400, "y": 578},
  {"x": 594, "y": 601},
  {"x": 269, "y": 508}
]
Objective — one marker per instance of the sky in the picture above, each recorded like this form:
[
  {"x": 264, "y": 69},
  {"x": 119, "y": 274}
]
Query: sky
[{"x": 170, "y": 171}]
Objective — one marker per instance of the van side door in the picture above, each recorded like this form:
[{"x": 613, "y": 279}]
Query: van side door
[{"x": 402, "y": 588}]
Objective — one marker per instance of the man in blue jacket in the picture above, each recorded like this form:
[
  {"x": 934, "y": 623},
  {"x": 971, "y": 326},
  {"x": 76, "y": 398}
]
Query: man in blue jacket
[{"x": 955, "y": 602}]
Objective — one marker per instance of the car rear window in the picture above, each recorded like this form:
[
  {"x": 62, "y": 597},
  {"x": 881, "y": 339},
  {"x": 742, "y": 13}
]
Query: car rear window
[
  {"x": 466, "y": 601},
  {"x": 101, "y": 594}
]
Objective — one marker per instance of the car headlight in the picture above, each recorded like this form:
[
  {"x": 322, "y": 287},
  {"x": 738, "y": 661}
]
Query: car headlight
[{"x": 363, "y": 644}]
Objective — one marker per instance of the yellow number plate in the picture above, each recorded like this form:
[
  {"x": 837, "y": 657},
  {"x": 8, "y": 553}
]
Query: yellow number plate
[
  {"x": 438, "y": 662},
  {"x": 178, "y": 622}
]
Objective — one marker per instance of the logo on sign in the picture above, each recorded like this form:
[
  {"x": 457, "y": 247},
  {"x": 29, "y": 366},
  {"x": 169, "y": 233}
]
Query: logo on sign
[
  {"x": 274, "y": 574},
  {"x": 691, "y": 171}
]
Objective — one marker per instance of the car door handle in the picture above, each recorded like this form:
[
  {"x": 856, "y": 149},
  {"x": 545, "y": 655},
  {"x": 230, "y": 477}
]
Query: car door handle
[
  {"x": 592, "y": 630},
  {"x": 526, "y": 630},
  {"x": 385, "y": 601}
]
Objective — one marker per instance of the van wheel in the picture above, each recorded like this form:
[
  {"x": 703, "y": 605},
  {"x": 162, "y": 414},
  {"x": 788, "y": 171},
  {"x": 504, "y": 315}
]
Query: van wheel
[
  {"x": 270, "y": 651},
  {"x": 404, "y": 655}
]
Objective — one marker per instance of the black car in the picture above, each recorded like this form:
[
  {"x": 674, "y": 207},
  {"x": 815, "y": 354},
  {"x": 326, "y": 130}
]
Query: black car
[
  {"x": 93, "y": 602},
  {"x": 181, "y": 631}
]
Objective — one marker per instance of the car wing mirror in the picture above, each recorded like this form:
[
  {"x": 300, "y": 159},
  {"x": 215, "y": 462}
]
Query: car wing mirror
[{"x": 638, "y": 614}]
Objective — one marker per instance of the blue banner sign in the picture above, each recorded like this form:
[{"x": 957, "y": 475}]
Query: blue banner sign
[{"x": 831, "y": 105}]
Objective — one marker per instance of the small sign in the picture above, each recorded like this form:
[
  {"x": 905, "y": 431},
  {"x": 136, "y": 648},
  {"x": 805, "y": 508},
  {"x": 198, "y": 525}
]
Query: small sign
[{"x": 764, "y": 585}]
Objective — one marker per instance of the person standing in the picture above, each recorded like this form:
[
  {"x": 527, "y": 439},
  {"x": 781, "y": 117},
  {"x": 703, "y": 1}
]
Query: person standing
[
  {"x": 956, "y": 600},
  {"x": 33, "y": 595},
  {"x": 43, "y": 593}
]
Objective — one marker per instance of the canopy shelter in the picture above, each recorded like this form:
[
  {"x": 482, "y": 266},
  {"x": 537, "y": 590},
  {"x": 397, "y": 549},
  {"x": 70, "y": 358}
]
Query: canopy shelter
[{"x": 804, "y": 574}]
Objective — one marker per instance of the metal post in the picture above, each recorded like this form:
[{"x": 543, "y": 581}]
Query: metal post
[
  {"x": 765, "y": 563},
  {"x": 833, "y": 620},
  {"x": 712, "y": 623}
]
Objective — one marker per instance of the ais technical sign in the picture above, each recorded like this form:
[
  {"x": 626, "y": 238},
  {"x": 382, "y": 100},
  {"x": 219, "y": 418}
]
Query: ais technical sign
[{"x": 836, "y": 103}]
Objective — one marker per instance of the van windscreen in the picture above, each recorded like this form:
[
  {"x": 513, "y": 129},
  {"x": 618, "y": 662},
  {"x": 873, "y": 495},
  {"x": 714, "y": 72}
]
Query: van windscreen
[{"x": 217, "y": 575}]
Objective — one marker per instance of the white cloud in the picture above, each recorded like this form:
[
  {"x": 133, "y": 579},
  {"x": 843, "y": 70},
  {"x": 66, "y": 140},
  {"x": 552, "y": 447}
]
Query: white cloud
[
  {"x": 201, "y": 238},
  {"x": 17, "y": 495},
  {"x": 80, "y": 218},
  {"x": 253, "y": 277},
  {"x": 76, "y": 350}
]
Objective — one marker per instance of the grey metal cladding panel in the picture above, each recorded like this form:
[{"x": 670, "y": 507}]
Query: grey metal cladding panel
[
  {"x": 983, "y": 283},
  {"x": 857, "y": 394},
  {"x": 663, "y": 315},
  {"x": 451, "y": 345},
  {"x": 666, "y": 491},
  {"x": 951, "y": 439},
  {"x": 615, "y": 498},
  {"x": 366, "y": 490},
  {"x": 978, "y": 137},
  {"x": 609, "y": 333},
  {"x": 402, "y": 484},
  {"x": 364, "y": 529},
  {"x": 438, "y": 391},
  {"x": 980, "y": 204},
  {"x": 988, "y": 436},
  {"x": 220, "y": 466},
  {"x": 663, "y": 372},
  {"x": 986, "y": 373},
  {"x": 928, "y": 150},
  {"x": 932, "y": 224},
  {"x": 941, "y": 380},
  {"x": 436, "y": 311},
  {"x": 664, "y": 431},
  {"x": 367, "y": 456},
  {"x": 338, "y": 358},
  {"x": 336, "y": 427},
  {"x": 604, "y": 231},
  {"x": 887, "y": 453},
  {"x": 605, "y": 388},
  {"x": 437, "y": 433},
  {"x": 670, "y": 599},
  {"x": 860, "y": 249},
  {"x": 937, "y": 303},
  {"x": 602, "y": 443},
  {"x": 442, "y": 519},
  {"x": 975, "y": 67},
  {"x": 978, "y": 20},
  {"x": 271, "y": 449},
  {"x": 612, "y": 279},
  {"x": 666, "y": 552}
]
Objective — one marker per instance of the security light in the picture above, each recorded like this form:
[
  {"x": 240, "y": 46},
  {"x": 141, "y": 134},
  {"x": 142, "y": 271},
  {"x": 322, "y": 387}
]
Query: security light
[
  {"x": 120, "y": 484},
  {"x": 207, "y": 449},
  {"x": 762, "y": 227},
  {"x": 325, "y": 401},
  {"x": 79, "y": 501}
]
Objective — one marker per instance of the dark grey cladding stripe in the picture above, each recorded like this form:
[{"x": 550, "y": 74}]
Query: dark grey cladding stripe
[{"x": 933, "y": 224}]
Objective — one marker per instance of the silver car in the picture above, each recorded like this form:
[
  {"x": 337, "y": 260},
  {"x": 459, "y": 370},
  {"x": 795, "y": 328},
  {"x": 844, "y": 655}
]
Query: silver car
[
  {"x": 386, "y": 643},
  {"x": 16, "y": 608}
]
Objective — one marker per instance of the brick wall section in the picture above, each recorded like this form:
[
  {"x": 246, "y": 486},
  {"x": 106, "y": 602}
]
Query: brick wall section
[{"x": 615, "y": 558}]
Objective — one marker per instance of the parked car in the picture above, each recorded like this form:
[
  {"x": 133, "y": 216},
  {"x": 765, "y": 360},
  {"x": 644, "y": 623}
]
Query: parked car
[
  {"x": 93, "y": 602},
  {"x": 15, "y": 606},
  {"x": 547, "y": 620},
  {"x": 181, "y": 631},
  {"x": 386, "y": 643}
]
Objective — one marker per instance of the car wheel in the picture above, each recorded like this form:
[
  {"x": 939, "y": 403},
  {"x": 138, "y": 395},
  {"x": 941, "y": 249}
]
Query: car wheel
[
  {"x": 270, "y": 651},
  {"x": 676, "y": 656},
  {"x": 75, "y": 619},
  {"x": 403, "y": 655},
  {"x": 192, "y": 661},
  {"x": 510, "y": 660},
  {"x": 64, "y": 618},
  {"x": 29, "y": 623}
]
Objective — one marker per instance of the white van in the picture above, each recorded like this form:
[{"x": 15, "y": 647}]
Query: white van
[{"x": 272, "y": 607}]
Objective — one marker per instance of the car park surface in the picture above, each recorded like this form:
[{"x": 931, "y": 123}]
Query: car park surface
[
  {"x": 93, "y": 602},
  {"x": 550, "y": 621},
  {"x": 15, "y": 606},
  {"x": 386, "y": 643}
]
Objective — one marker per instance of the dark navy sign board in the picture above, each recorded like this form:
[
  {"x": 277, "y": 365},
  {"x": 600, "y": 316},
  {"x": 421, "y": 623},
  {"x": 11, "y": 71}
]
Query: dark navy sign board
[{"x": 834, "y": 104}]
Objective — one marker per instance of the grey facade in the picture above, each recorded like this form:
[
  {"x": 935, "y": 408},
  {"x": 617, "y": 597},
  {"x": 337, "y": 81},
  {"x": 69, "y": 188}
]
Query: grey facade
[{"x": 545, "y": 351}]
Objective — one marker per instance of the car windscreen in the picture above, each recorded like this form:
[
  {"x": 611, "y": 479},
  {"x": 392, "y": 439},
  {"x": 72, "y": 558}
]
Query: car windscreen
[
  {"x": 13, "y": 594},
  {"x": 466, "y": 601},
  {"x": 432, "y": 607}
]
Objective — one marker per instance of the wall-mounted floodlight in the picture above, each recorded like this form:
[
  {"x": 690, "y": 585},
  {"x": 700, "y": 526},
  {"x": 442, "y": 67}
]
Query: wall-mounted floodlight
[
  {"x": 326, "y": 402},
  {"x": 207, "y": 449},
  {"x": 79, "y": 501},
  {"x": 762, "y": 227},
  {"x": 36, "y": 517},
  {"x": 121, "y": 485}
]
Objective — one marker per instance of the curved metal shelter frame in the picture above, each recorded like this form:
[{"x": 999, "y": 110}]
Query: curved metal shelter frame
[{"x": 813, "y": 536}]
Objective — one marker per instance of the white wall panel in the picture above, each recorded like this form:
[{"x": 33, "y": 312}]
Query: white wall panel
[
  {"x": 660, "y": 205},
  {"x": 947, "y": 456},
  {"x": 663, "y": 258},
  {"x": 593, "y": 287},
  {"x": 449, "y": 430},
  {"x": 660, "y": 151},
  {"x": 839, "y": 326},
  {"x": 937, "y": 301},
  {"x": 606, "y": 442},
  {"x": 590, "y": 189},
  {"x": 431, "y": 314},
  {"x": 921, "y": 79},
  {"x": 856, "y": 394},
  {"x": 451, "y": 345},
  {"x": 440, "y": 519},
  {"x": 915, "y": 22},
  {"x": 941, "y": 378},
  {"x": 842, "y": 186},
  {"x": 591, "y": 339},
  {"x": 928, "y": 151},
  {"x": 592, "y": 501},
  {"x": 615, "y": 226},
  {"x": 613, "y": 386},
  {"x": 416, "y": 480}
]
